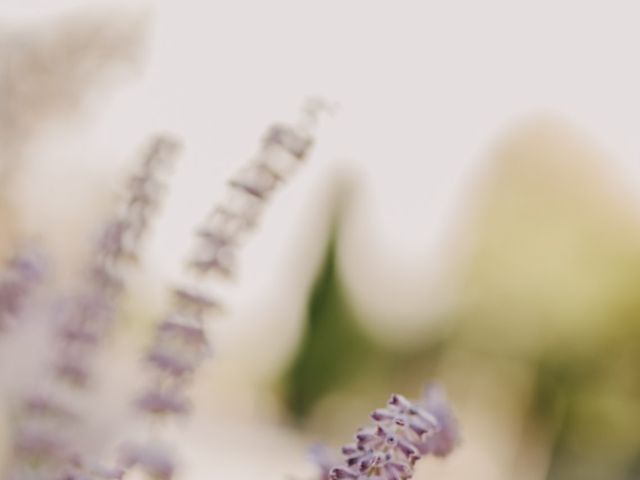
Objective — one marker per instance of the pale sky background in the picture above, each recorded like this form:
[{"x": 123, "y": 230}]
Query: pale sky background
[{"x": 425, "y": 89}]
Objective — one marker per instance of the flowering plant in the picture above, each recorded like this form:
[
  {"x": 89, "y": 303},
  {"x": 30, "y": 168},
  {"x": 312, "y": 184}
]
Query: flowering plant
[{"x": 44, "y": 442}]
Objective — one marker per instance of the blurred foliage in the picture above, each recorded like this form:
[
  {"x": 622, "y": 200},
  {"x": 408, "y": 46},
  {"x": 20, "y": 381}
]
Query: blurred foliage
[
  {"x": 333, "y": 348},
  {"x": 336, "y": 349},
  {"x": 553, "y": 278}
]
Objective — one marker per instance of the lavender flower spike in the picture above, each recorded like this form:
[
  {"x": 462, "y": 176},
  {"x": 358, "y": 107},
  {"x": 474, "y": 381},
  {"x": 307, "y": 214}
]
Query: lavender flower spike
[
  {"x": 403, "y": 433},
  {"x": 45, "y": 441},
  {"x": 180, "y": 343}
]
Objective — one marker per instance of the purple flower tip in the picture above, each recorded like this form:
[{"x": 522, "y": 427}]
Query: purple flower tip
[{"x": 403, "y": 432}]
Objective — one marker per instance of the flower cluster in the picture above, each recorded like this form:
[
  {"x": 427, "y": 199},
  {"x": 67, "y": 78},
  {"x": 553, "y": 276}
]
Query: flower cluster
[
  {"x": 402, "y": 433},
  {"x": 23, "y": 272}
]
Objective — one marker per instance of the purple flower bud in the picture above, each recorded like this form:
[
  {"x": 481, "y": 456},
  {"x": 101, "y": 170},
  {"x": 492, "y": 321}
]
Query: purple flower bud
[
  {"x": 159, "y": 402},
  {"x": 175, "y": 327},
  {"x": 400, "y": 402},
  {"x": 22, "y": 274},
  {"x": 76, "y": 332},
  {"x": 257, "y": 180},
  {"x": 35, "y": 442},
  {"x": 72, "y": 369},
  {"x": 194, "y": 300},
  {"x": 228, "y": 222},
  {"x": 383, "y": 414},
  {"x": 214, "y": 258},
  {"x": 172, "y": 362},
  {"x": 445, "y": 439},
  {"x": 112, "y": 238},
  {"x": 340, "y": 473},
  {"x": 46, "y": 406},
  {"x": 288, "y": 138},
  {"x": 349, "y": 449},
  {"x": 30, "y": 264}
]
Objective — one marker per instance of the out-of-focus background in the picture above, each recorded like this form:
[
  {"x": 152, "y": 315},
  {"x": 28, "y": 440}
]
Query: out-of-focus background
[{"x": 470, "y": 215}]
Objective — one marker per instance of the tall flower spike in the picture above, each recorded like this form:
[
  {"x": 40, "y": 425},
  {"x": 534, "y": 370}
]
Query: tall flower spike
[
  {"x": 180, "y": 343},
  {"x": 90, "y": 313},
  {"x": 402, "y": 433},
  {"x": 43, "y": 443}
]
